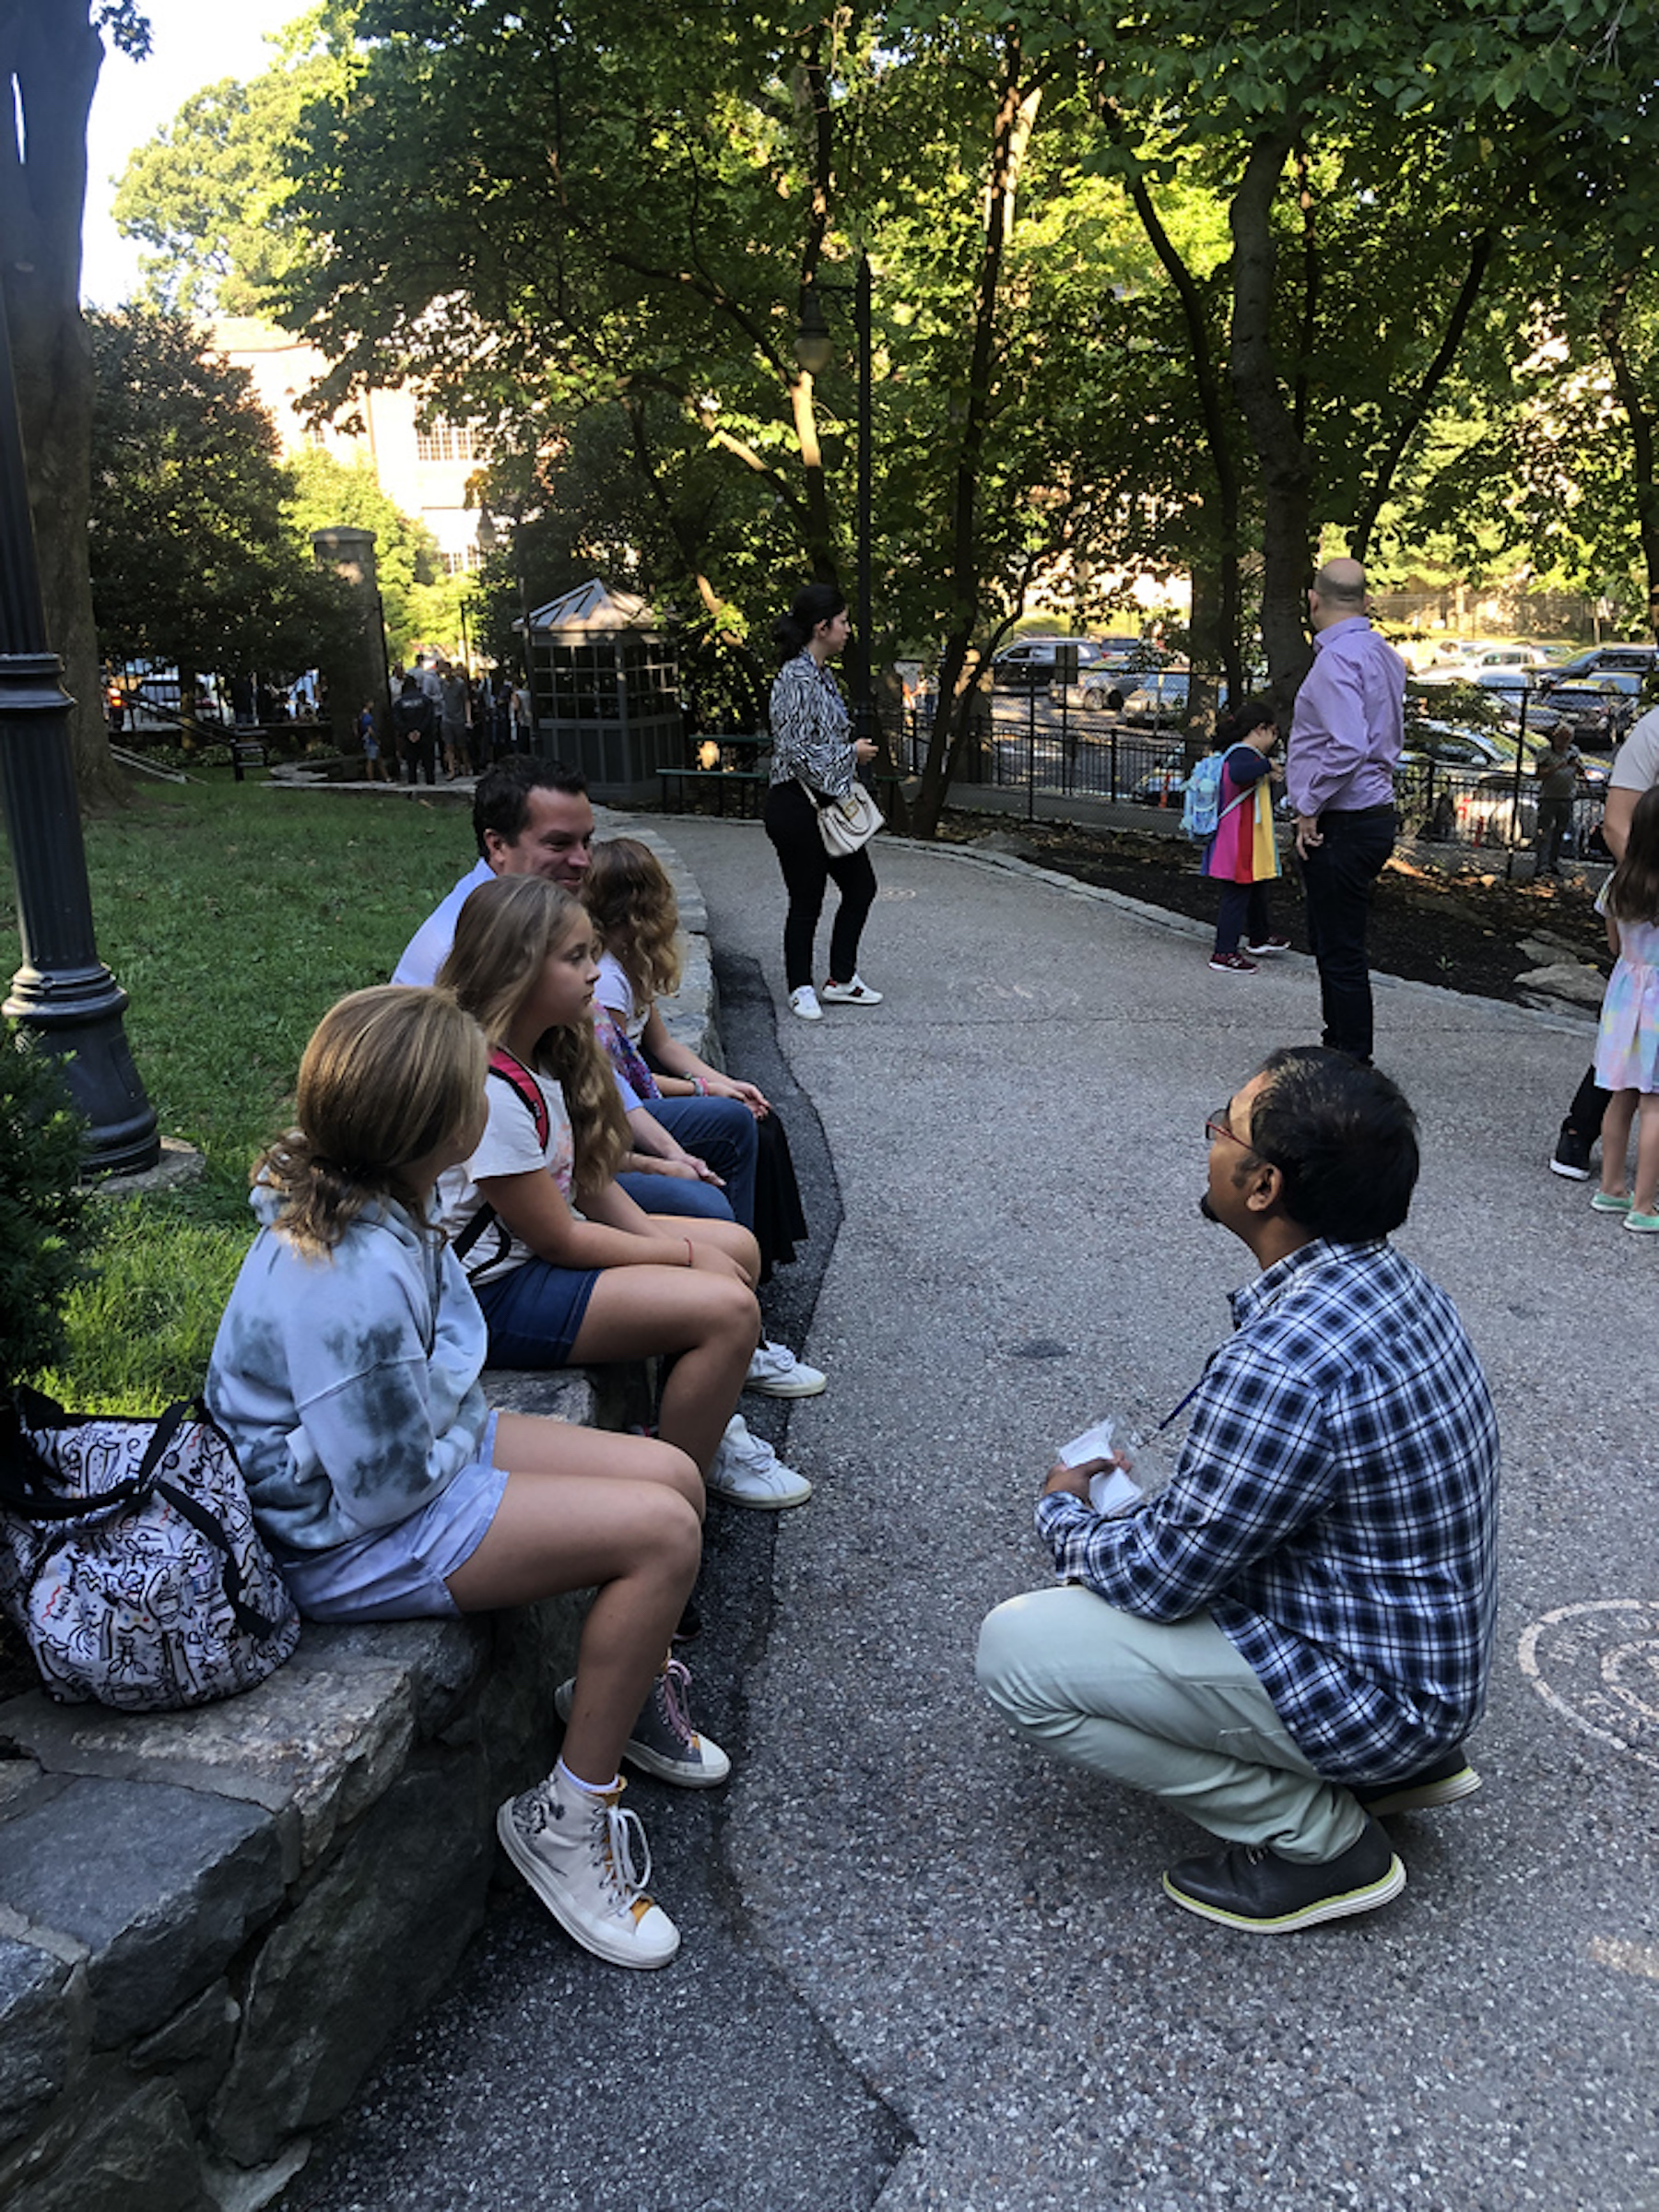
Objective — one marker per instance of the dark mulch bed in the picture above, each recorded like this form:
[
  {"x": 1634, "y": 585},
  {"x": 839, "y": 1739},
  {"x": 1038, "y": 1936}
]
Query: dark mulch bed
[{"x": 1462, "y": 930}]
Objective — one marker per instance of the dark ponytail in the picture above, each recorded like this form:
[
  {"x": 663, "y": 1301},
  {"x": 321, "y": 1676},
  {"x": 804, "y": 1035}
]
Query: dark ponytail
[{"x": 813, "y": 603}]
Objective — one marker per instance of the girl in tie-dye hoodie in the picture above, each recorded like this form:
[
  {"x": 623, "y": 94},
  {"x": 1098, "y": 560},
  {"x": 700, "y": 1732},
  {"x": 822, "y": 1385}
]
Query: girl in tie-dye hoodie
[{"x": 345, "y": 1375}]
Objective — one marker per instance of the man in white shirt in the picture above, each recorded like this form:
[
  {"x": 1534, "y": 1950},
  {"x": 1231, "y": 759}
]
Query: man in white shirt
[{"x": 534, "y": 817}]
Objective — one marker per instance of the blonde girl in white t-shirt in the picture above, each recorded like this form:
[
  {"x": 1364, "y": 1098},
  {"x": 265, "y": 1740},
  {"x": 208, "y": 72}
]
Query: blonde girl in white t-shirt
[{"x": 566, "y": 1268}]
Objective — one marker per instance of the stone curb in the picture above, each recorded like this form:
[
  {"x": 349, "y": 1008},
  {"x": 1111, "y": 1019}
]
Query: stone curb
[{"x": 212, "y": 1922}]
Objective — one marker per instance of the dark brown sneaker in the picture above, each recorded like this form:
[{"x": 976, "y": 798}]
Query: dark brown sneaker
[{"x": 1250, "y": 1886}]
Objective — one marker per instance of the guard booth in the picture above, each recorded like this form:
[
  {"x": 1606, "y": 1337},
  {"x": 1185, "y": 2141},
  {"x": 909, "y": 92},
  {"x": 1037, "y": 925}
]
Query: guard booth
[{"x": 604, "y": 692}]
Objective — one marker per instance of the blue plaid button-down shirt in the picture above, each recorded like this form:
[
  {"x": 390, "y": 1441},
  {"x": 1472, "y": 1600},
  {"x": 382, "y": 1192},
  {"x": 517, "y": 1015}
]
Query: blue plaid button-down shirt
[{"x": 1335, "y": 1509}]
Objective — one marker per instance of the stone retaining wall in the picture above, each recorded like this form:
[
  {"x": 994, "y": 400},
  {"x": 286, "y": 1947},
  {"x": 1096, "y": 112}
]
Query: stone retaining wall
[{"x": 212, "y": 1922}]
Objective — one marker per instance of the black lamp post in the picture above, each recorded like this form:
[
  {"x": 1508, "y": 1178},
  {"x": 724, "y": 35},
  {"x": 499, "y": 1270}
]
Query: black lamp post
[
  {"x": 489, "y": 537},
  {"x": 813, "y": 350},
  {"x": 63, "y": 990}
]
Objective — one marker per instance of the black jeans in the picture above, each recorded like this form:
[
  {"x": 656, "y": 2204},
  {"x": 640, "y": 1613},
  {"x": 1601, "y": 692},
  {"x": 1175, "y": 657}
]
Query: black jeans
[
  {"x": 1339, "y": 877},
  {"x": 792, "y": 823}
]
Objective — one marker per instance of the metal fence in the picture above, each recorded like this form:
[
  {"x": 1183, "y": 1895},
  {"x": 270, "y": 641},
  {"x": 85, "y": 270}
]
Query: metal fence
[{"x": 1054, "y": 752}]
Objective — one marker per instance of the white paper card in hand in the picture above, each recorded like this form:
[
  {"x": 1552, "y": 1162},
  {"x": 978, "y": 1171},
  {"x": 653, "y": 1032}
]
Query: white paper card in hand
[
  {"x": 1094, "y": 1444},
  {"x": 1113, "y": 1491}
]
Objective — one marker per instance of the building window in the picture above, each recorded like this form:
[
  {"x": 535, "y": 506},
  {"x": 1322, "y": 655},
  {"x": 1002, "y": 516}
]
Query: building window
[
  {"x": 455, "y": 564},
  {"x": 446, "y": 442}
]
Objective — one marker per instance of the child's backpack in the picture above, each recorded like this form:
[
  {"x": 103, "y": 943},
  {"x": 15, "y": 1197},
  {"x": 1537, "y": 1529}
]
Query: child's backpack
[
  {"x": 130, "y": 1560},
  {"x": 1201, "y": 807}
]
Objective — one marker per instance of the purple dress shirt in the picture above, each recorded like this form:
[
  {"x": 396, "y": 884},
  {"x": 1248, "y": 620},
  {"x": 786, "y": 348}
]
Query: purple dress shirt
[{"x": 1349, "y": 721}]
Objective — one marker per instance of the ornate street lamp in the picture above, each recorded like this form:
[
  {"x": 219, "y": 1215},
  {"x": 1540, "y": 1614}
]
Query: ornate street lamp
[
  {"x": 63, "y": 990},
  {"x": 814, "y": 348}
]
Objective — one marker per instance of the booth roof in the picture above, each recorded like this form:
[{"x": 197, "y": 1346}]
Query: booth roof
[{"x": 592, "y": 607}]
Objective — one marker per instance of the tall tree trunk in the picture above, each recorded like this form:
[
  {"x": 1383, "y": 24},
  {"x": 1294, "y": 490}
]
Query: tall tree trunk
[
  {"x": 1641, "y": 419},
  {"x": 1285, "y": 464},
  {"x": 1212, "y": 406},
  {"x": 49, "y": 57},
  {"x": 1016, "y": 120}
]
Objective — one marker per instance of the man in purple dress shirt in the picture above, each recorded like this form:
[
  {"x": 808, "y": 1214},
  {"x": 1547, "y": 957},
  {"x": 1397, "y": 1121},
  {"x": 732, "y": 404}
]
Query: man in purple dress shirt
[{"x": 1344, "y": 739}]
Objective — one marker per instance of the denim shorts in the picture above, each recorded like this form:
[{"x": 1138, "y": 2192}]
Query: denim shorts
[
  {"x": 399, "y": 1574},
  {"x": 535, "y": 1313}
]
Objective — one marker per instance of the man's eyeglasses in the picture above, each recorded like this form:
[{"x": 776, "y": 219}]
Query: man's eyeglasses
[{"x": 1217, "y": 1126}]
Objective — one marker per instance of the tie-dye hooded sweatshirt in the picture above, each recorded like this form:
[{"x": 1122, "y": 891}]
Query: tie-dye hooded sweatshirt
[{"x": 349, "y": 1384}]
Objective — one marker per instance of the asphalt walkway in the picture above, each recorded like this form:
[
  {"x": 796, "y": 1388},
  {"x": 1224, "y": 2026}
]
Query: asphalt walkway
[{"x": 925, "y": 1968}]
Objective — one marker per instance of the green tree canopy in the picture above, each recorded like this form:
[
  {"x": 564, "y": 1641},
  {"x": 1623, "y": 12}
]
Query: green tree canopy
[{"x": 194, "y": 558}]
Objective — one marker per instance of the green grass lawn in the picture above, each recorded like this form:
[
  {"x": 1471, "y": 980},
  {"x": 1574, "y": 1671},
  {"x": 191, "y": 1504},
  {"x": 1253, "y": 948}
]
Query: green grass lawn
[{"x": 233, "y": 915}]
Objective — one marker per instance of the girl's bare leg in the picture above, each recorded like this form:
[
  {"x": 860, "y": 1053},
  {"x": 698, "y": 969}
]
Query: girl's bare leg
[
  {"x": 729, "y": 1237},
  {"x": 531, "y": 1445},
  {"x": 1645, "y": 1189},
  {"x": 639, "y": 1542},
  {"x": 709, "y": 1321},
  {"x": 1615, "y": 1141}
]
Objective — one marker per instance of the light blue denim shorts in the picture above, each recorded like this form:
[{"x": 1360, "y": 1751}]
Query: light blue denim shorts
[{"x": 399, "y": 1574}]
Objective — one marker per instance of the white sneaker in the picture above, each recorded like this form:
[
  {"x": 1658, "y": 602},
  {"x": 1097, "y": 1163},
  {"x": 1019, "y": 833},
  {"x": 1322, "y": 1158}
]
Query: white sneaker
[
  {"x": 746, "y": 1471},
  {"x": 775, "y": 1372},
  {"x": 804, "y": 1002},
  {"x": 576, "y": 1851},
  {"x": 855, "y": 993},
  {"x": 663, "y": 1742}
]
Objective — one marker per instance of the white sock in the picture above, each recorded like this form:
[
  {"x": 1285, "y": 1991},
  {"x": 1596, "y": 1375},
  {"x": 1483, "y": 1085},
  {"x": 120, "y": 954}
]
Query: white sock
[{"x": 588, "y": 1789}]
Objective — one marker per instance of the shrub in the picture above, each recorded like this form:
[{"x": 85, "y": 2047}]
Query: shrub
[{"x": 43, "y": 1230}]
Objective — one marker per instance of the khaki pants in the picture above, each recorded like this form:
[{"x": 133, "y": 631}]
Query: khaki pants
[{"x": 1168, "y": 1708}]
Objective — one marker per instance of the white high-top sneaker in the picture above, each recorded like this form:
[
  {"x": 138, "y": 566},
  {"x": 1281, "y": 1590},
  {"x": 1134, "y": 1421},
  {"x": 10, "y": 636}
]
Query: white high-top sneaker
[{"x": 577, "y": 1851}]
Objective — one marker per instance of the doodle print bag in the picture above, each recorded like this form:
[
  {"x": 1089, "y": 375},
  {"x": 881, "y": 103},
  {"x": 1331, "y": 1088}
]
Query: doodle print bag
[{"x": 130, "y": 1560}]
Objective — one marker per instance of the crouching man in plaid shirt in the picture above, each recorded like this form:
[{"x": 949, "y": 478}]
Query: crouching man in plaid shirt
[{"x": 1293, "y": 1637}]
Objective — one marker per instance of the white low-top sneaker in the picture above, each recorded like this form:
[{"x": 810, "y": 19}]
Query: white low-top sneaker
[
  {"x": 746, "y": 1471},
  {"x": 804, "y": 1002},
  {"x": 775, "y": 1372},
  {"x": 855, "y": 993}
]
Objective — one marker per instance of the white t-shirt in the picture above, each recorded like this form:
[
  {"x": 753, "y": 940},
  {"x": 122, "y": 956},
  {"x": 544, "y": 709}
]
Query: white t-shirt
[
  {"x": 614, "y": 990},
  {"x": 1636, "y": 763},
  {"x": 510, "y": 1146}
]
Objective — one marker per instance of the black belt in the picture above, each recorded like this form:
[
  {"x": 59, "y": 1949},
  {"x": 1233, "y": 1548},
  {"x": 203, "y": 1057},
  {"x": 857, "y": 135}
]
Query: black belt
[{"x": 1354, "y": 814}]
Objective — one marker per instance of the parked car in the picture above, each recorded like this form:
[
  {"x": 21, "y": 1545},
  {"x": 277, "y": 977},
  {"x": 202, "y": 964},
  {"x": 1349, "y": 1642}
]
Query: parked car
[
  {"x": 1104, "y": 681},
  {"x": 1611, "y": 660},
  {"x": 1161, "y": 696},
  {"x": 1029, "y": 664},
  {"x": 1164, "y": 786},
  {"x": 1449, "y": 744},
  {"x": 1598, "y": 710}
]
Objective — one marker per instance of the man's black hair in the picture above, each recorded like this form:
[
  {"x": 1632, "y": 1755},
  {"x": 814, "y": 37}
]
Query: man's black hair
[
  {"x": 1343, "y": 1139},
  {"x": 502, "y": 801}
]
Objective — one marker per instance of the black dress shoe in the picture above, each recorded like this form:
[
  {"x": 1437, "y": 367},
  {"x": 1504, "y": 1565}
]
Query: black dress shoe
[
  {"x": 1443, "y": 1782},
  {"x": 1248, "y": 1886}
]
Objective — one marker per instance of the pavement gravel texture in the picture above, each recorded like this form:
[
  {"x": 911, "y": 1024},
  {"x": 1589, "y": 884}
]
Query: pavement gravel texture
[{"x": 925, "y": 1968}]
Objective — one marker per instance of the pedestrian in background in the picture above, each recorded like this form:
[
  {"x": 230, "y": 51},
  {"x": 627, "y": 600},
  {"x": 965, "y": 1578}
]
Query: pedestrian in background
[
  {"x": 1557, "y": 775},
  {"x": 368, "y": 741},
  {"x": 1242, "y": 856},
  {"x": 814, "y": 760},
  {"x": 415, "y": 723}
]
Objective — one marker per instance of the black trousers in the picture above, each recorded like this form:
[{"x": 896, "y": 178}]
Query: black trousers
[
  {"x": 792, "y": 825},
  {"x": 1339, "y": 877},
  {"x": 1589, "y": 1104},
  {"x": 1244, "y": 908}
]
